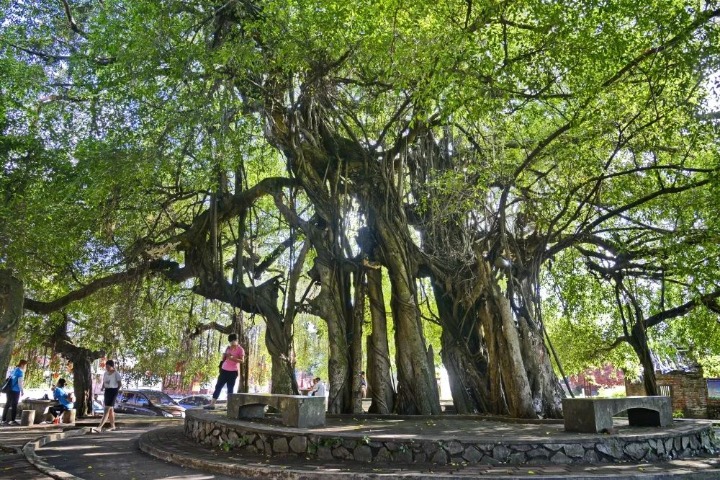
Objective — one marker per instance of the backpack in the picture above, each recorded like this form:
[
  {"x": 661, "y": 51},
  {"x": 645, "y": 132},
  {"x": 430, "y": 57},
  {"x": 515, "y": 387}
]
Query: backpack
[{"x": 7, "y": 386}]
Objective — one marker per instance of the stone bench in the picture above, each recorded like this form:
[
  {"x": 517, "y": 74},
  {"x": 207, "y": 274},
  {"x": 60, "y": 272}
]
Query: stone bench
[
  {"x": 594, "y": 415},
  {"x": 40, "y": 407},
  {"x": 296, "y": 410}
]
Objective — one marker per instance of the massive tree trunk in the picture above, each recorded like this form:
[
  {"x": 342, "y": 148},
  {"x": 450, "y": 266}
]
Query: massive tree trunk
[
  {"x": 545, "y": 386},
  {"x": 639, "y": 342},
  {"x": 81, "y": 359},
  {"x": 356, "y": 339},
  {"x": 11, "y": 308},
  {"x": 417, "y": 393},
  {"x": 378, "y": 371},
  {"x": 333, "y": 305},
  {"x": 82, "y": 383},
  {"x": 514, "y": 376},
  {"x": 463, "y": 351}
]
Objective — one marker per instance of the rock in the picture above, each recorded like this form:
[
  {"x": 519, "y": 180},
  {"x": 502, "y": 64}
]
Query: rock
[
  {"x": 487, "y": 460},
  {"x": 349, "y": 443},
  {"x": 472, "y": 455},
  {"x": 419, "y": 457},
  {"x": 574, "y": 450},
  {"x": 383, "y": 455},
  {"x": 660, "y": 448},
  {"x": 454, "y": 447},
  {"x": 392, "y": 446},
  {"x": 517, "y": 458},
  {"x": 669, "y": 445},
  {"x": 342, "y": 453},
  {"x": 538, "y": 453},
  {"x": 590, "y": 457},
  {"x": 560, "y": 459},
  {"x": 280, "y": 445},
  {"x": 298, "y": 444},
  {"x": 610, "y": 448},
  {"x": 363, "y": 453},
  {"x": 403, "y": 456},
  {"x": 685, "y": 442},
  {"x": 636, "y": 450},
  {"x": 500, "y": 453},
  {"x": 324, "y": 453},
  {"x": 554, "y": 447},
  {"x": 440, "y": 457},
  {"x": 233, "y": 437},
  {"x": 430, "y": 448}
]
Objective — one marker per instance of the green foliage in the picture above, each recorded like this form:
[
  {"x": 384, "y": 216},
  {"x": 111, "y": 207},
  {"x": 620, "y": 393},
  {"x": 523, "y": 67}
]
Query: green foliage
[{"x": 580, "y": 122}]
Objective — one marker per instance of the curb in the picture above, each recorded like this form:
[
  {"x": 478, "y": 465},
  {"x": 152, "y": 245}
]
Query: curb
[{"x": 38, "y": 462}]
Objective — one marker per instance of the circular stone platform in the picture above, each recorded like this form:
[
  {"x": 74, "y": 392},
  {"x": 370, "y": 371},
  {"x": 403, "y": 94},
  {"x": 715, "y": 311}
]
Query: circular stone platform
[{"x": 466, "y": 439}]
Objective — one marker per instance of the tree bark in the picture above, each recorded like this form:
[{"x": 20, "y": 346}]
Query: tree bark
[
  {"x": 82, "y": 383},
  {"x": 81, "y": 359},
  {"x": 332, "y": 305},
  {"x": 356, "y": 341},
  {"x": 416, "y": 390},
  {"x": 514, "y": 376},
  {"x": 11, "y": 309},
  {"x": 463, "y": 353},
  {"x": 378, "y": 374},
  {"x": 639, "y": 342}
]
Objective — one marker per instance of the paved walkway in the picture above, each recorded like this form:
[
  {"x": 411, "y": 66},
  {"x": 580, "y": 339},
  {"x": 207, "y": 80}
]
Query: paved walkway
[{"x": 116, "y": 456}]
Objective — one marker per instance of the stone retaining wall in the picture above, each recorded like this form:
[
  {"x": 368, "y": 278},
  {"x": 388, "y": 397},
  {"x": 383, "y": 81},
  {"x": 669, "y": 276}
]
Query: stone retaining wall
[{"x": 246, "y": 436}]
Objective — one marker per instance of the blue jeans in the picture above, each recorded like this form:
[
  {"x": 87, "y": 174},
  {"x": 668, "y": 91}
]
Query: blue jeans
[
  {"x": 226, "y": 378},
  {"x": 11, "y": 404}
]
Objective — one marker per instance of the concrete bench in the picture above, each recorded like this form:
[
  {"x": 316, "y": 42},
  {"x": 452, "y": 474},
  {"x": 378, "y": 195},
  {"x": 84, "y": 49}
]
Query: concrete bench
[
  {"x": 594, "y": 415},
  {"x": 39, "y": 405},
  {"x": 296, "y": 410}
]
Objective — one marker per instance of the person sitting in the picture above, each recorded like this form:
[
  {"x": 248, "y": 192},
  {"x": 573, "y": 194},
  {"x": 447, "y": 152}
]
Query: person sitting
[
  {"x": 318, "y": 389},
  {"x": 64, "y": 398}
]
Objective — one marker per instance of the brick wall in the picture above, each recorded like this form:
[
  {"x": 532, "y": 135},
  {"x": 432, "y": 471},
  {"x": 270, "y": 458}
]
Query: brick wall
[{"x": 688, "y": 391}]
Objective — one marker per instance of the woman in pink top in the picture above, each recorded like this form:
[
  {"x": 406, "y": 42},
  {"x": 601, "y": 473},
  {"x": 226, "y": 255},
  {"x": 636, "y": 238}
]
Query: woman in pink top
[{"x": 229, "y": 369}]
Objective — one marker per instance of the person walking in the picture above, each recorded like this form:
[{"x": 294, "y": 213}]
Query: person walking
[
  {"x": 229, "y": 369},
  {"x": 9, "y": 416},
  {"x": 64, "y": 398},
  {"x": 111, "y": 384}
]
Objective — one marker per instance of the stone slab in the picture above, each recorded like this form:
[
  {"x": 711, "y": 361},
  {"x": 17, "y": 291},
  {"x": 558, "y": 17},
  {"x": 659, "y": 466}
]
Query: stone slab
[
  {"x": 594, "y": 415},
  {"x": 296, "y": 410}
]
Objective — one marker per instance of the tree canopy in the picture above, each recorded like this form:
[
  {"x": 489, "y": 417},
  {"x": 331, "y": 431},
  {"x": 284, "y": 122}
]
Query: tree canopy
[{"x": 515, "y": 158}]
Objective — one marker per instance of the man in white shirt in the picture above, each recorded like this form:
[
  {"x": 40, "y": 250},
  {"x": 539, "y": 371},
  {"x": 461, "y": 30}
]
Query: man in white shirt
[{"x": 318, "y": 389}]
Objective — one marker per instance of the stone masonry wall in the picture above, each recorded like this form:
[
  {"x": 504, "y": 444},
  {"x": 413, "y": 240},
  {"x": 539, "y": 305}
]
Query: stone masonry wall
[{"x": 680, "y": 442}]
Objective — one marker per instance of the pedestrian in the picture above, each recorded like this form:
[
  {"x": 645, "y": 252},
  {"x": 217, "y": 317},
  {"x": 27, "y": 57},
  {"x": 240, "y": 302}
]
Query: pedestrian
[
  {"x": 9, "y": 416},
  {"x": 111, "y": 384},
  {"x": 363, "y": 385},
  {"x": 229, "y": 369},
  {"x": 64, "y": 398},
  {"x": 318, "y": 389}
]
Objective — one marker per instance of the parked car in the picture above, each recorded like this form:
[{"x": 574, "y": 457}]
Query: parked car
[
  {"x": 200, "y": 400},
  {"x": 97, "y": 408},
  {"x": 148, "y": 402}
]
